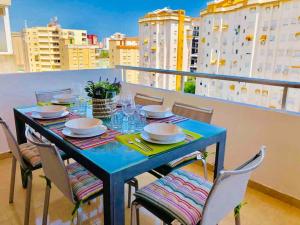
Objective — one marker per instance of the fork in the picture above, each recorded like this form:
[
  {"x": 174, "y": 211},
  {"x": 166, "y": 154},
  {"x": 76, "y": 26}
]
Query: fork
[
  {"x": 140, "y": 146},
  {"x": 142, "y": 143}
]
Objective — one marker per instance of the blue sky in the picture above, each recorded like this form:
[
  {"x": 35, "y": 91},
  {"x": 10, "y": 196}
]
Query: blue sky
[{"x": 97, "y": 16}]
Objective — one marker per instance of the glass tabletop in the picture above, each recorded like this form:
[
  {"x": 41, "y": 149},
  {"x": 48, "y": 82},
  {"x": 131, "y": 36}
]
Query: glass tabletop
[{"x": 114, "y": 156}]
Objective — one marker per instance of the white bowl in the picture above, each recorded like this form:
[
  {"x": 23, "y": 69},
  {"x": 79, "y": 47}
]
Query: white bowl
[
  {"x": 50, "y": 110},
  {"x": 65, "y": 98},
  {"x": 83, "y": 125},
  {"x": 162, "y": 131},
  {"x": 156, "y": 110}
]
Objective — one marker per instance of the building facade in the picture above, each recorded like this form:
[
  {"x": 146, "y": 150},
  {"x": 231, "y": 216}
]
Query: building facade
[
  {"x": 125, "y": 51},
  {"x": 52, "y": 48},
  {"x": 194, "y": 45},
  {"x": 7, "y": 64},
  {"x": 253, "y": 38},
  {"x": 165, "y": 37}
]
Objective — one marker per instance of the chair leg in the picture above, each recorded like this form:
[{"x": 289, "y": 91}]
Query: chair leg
[
  {"x": 129, "y": 194},
  {"x": 46, "y": 204},
  {"x": 134, "y": 182},
  {"x": 237, "y": 219},
  {"x": 79, "y": 217},
  {"x": 12, "y": 180},
  {"x": 24, "y": 178},
  {"x": 204, "y": 168},
  {"x": 135, "y": 215},
  {"x": 28, "y": 199}
]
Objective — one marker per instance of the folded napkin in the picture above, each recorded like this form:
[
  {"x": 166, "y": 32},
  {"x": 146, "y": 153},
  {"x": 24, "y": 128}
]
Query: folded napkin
[{"x": 157, "y": 148}]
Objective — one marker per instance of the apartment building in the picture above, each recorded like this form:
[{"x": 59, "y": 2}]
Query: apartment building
[
  {"x": 254, "y": 38},
  {"x": 194, "y": 45},
  {"x": 20, "y": 59},
  {"x": 7, "y": 63},
  {"x": 76, "y": 56},
  {"x": 52, "y": 48},
  {"x": 124, "y": 51},
  {"x": 165, "y": 37}
]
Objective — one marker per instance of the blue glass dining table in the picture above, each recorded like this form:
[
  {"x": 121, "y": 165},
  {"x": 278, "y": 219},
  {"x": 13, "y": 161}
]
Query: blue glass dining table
[{"x": 115, "y": 163}]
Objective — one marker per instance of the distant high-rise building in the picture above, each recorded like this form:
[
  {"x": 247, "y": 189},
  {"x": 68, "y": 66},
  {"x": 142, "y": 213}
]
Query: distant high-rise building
[
  {"x": 52, "y": 48},
  {"x": 92, "y": 39},
  {"x": 165, "y": 36},
  {"x": 115, "y": 36},
  {"x": 257, "y": 38},
  {"x": 194, "y": 45},
  {"x": 7, "y": 63},
  {"x": 76, "y": 56},
  {"x": 124, "y": 51},
  {"x": 20, "y": 59}
]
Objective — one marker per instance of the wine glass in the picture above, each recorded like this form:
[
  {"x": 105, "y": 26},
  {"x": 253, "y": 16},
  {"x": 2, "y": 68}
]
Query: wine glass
[{"x": 128, "y": 108}]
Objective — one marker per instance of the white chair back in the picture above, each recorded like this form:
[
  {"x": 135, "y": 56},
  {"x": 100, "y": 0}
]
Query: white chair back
[
  {"x": 229, "y": 190},
  {"x": 142, "y": 99},
  {"x": 196, "y": 113},
  {"x": 53, "y": 165},
  {"x": 47, "y": 96},
  {"x": 12, "y": 144}
]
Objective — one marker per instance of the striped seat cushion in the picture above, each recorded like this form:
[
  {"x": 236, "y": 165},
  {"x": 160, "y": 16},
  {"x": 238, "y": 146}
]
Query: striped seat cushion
[
  {"x": 180, "y": 194},
  {"x": 183, "y": 159},
  {"x": 30, "y": 154},
  {"x": 84, "y": 183}
]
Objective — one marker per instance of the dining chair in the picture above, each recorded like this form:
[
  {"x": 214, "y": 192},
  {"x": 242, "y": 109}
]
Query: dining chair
[
  {"x": 73, "y": 180},
  {"x": 203, "y": 114},
  {"x": 142, "y": 99},
  {"x": 182, "y": 197},
  {"x": 47, "y": 96},
  {"x": 28, "y": 157}
]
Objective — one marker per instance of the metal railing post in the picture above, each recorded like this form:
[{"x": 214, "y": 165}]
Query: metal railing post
[
  {"x": 123, "y": 72},
  {"x": 284, "y": 97}
]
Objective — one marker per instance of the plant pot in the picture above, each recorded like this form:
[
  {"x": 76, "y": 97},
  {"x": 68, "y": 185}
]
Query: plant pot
[{"x": 101, "y": 108}]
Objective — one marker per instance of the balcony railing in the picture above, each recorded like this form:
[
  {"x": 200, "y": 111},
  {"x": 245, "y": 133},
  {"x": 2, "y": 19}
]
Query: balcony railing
[
  {"x": 248, "y": 127},
  {"x": 277, "y": 83}
]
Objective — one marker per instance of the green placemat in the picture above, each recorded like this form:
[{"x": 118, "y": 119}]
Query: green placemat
[{"x": 157, "y": 148}]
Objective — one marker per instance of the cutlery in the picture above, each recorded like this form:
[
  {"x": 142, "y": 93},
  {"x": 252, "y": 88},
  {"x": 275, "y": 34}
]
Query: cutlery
[
  {"x": 142, "y": 143},
  {"x": 191, "y": 136},
  {"x": 137, "y": 144}
]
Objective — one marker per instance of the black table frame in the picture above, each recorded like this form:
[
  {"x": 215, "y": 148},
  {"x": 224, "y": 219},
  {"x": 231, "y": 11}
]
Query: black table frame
[{"x": 113, "y": 183}]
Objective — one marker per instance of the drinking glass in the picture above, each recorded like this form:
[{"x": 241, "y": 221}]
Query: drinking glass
[
  {"x": 140, "y": 119},
  {"x": 128, "y": 108}
]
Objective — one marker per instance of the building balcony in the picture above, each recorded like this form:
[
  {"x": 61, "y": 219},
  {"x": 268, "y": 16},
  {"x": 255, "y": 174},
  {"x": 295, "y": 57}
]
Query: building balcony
[{"x": 273, "y": 191}]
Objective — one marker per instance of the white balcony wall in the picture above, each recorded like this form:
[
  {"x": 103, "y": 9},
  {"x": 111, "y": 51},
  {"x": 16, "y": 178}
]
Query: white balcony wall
[
  {"x": 19, "y": 89},
  {"x": 248, "y": 127}
]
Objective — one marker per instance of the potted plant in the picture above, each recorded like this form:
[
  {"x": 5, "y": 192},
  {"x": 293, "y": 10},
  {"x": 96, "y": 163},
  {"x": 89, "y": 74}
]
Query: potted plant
[{"x": 98, "y": 92}]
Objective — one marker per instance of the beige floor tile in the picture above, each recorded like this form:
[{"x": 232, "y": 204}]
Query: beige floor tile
[{"x": 260, "y": 208}]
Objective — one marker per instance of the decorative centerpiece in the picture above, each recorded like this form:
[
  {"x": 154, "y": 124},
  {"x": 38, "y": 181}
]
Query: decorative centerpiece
[{"x": 101, "y": 98}]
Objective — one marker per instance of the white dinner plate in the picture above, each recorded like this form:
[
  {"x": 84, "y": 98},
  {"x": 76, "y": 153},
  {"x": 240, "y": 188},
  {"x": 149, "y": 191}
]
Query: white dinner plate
[
  {"x": 178, "y": 139},
  {"x": 166, "y": 115},
  {"x": 102, "y": 129},
  {"x": 36, "y": 115}
]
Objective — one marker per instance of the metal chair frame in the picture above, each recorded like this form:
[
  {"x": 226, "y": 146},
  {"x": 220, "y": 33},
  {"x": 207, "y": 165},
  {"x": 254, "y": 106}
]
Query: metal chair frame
[{"x": 223, "y": 176}]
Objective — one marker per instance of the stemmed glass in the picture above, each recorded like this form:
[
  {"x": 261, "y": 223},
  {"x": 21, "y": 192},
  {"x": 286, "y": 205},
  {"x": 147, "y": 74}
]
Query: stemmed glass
[{"x": 128, "y": 108}]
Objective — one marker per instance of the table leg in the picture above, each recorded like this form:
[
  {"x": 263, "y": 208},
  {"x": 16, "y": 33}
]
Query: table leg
[
  {"x": 114, "y": 201},
  {"x": 220, "y": 155},
  {"x": 20, "y": 130},
  {"x": 21, "y": 138}
]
